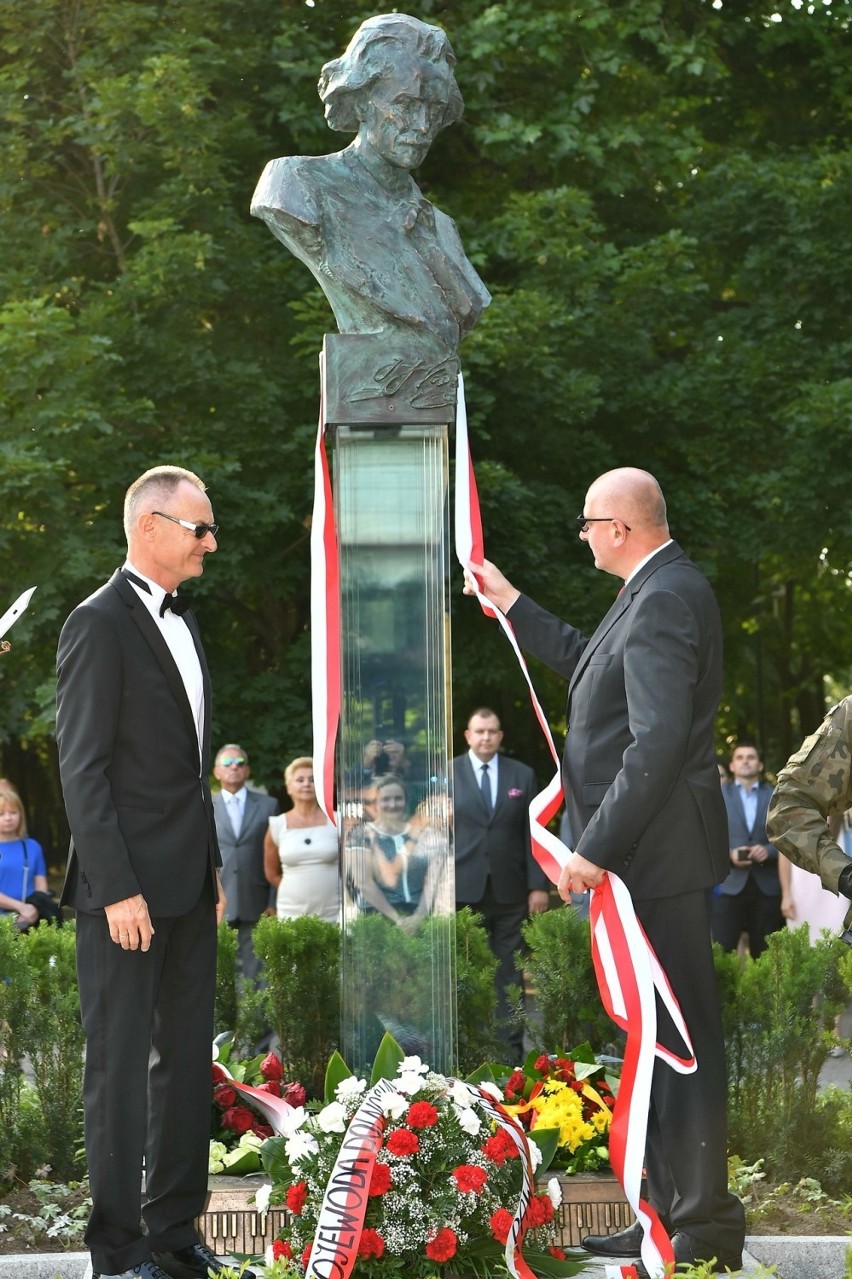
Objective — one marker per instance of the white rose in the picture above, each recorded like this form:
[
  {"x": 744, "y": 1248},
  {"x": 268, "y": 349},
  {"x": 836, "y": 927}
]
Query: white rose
[{"x": 332, "y": 1118}]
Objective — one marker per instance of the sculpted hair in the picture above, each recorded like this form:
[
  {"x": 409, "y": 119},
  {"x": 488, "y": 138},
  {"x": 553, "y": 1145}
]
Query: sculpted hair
[
  {"x": 301, "y": 761},
  {"x": 371, "y": 54},
  {"x": 153, "y": 489}
]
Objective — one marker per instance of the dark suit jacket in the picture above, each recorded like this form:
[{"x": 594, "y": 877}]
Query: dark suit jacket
[
  {"x": 498, "y": 843},
  {"x": 765, "y": 873},
  {"x": 139, "y": 807},
  {"x": 642, "y": 788},
  {"x": 246, "y": 888}
]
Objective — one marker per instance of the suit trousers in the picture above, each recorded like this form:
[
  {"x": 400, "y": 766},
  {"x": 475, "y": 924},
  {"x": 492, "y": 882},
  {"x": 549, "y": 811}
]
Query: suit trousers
[
  {"x": 686, "y": 1154},
  {"x": 502, "y": 922},
  {"x": 148, "y": 1019},
  {"x": 749, "y": 911}
]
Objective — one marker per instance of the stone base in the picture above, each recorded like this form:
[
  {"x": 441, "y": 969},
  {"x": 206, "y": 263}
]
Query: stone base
[{"x": 592, "y": 1204}]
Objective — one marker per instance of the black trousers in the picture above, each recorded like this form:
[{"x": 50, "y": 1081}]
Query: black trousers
[
  {"x": 502, "y": 922},
  {"x": 686, "y": 1153},
  {"x": 148, "y": 1020},
  {"x": 749, "y": 911}
]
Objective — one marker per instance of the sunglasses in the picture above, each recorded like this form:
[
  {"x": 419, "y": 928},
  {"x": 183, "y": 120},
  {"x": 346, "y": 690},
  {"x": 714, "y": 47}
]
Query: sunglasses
[
  {"x": 232, "y": 759},
  {"x": 199, "y": 530},
  {"x": 583, "y": 521}
]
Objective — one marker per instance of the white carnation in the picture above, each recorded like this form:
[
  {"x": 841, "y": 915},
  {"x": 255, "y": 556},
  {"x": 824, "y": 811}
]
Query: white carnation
[
  {"x": 332, "y": 1118},
  {"x": 292, "y": 1121},
  {"x": 412, "y": 1064},
  {"x": 410, "y": 1082},
  {"x": 299, "y": 1146},
  {"x": 469, "y": 1119},
  {"x": 394, "y": 1105},
  {"x": 492, "y": 1090},
  {"x": 261, "y": 1198},
  {"x": 555, "y": 1191},
  {"x": 352, "y": 1086}
]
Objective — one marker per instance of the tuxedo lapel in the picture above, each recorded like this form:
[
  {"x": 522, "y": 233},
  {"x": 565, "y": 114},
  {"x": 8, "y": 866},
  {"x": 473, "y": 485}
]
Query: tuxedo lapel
[{"x": 151, "y": 632}]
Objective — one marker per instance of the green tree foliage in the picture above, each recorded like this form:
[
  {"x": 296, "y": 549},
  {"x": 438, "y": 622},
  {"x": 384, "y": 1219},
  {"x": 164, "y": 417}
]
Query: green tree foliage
[{"x": 654, "y": 191}]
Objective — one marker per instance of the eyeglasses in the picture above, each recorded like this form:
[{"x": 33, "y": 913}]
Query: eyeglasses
[
  {"x": 199, "y": 530},
  {"x": 583, "y": 521},
  {"x": 232, "y": 759}
]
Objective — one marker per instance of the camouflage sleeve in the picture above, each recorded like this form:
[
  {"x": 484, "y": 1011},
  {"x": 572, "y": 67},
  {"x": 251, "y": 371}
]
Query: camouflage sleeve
[{"x": 815, "y": 783}]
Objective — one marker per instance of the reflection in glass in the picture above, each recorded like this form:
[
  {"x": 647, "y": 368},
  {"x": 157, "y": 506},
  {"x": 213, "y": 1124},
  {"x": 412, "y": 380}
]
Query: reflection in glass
[{"x": 398, "y": 961}]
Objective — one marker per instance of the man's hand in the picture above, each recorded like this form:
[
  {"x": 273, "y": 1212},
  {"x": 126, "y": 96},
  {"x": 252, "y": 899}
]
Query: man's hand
[
  {"x": 222, "y": 903},
  {"x": 538, "y": 900},
  {"x": 497, "y": 587},
  {"x": 129, "y": 923},
  {"x": 27, "y": 914},
  {"x": 757, "y": 852},
  {"x": 578, "y": 874}
]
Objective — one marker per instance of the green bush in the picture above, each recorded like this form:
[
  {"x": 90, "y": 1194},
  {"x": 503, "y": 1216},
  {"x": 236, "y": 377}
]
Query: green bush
[
  {"x": 302, "y": 995},
  {"x": 568, "y": 1006},
  {"x": 476, "y": 969},
  {"x": 15, "y": 981},
  {"x": 778, "y": 1015},
  {"x": 225, "y": 1013}
]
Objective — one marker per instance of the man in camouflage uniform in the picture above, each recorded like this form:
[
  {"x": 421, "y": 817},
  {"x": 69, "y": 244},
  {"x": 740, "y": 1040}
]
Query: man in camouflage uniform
[{"x": 815, "y": 784}]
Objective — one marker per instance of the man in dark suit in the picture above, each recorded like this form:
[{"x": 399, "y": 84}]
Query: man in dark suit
[
  {"x": 749, "y": 900},
  {"x": 496, "y": 874},
  {"x": 133, "y": 731},
  {"x": 644, "y": 802},
  {"x": 242, "y": 820}
]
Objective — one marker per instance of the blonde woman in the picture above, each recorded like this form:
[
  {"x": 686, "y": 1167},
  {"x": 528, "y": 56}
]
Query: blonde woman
[{"x": 301, "y": 855}]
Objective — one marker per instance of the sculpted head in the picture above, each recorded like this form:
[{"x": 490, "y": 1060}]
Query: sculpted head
[{"x": 394, "y": 86}]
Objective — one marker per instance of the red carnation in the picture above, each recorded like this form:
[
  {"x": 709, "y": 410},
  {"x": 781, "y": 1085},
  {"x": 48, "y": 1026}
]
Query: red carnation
[
  {"x": 281, "y": 1248},
  {"x": 371, "y": 1243},
  {"x": 271, "y": 1086},
  {"x": 271, "y": 1067},
  {"x": 558, "y": 1254},
  {"x": 501, "y": 1224},
  {"x": 380, "y": 1180},
  {"x": 500, "y": 1147},
  {"x": 295, "y": 1094},
  {"x": 422, "y": 1114},
  {"x": 263, "y": 1130},
  {"x": 218, "y": 1073},
  {"x": 238, "y": 1119},
  {"x": 296, "y": 1196},
  {"x": 443, "y": 1246},
  {"x": 306, "y": 1256},
  {"x": 516, "y": 1083},
  {"x": 224, "y": 1096},
  {"x": 470, "y": 1177},
  {"x": 539, "y": 1212},
  {"x": 403, "y": 1142}
]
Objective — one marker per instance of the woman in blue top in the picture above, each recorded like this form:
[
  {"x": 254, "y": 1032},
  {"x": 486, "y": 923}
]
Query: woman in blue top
[{"x": 22, "y": 866}]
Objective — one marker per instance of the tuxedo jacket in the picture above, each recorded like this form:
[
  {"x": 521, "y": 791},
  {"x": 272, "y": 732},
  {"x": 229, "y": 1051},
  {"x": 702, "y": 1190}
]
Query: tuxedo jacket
[
  {"x": 765, "y": 874},
  {"x": 496, "y": 843},
  {"x": 642, "y": 788},
  {"x": 246, "y": 888},
  {"x": 136, "y": 794}
]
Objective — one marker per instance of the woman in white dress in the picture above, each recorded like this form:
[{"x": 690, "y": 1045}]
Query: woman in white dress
[{"x": 301, "y": 854}]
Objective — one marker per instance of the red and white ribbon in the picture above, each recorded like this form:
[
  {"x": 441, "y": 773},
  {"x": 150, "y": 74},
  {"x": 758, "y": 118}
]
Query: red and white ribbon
[
  {"x": 627, "y": 969},
  {"x": 325, "y": 627}
]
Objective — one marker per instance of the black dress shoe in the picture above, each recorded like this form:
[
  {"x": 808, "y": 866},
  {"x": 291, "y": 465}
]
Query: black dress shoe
[
  {"x": 624, "y": 1243},
  {"x": 195, "y": 1262},
  {"x": 689, "y": 1251},
  {"x": 145, "y": 1270}
]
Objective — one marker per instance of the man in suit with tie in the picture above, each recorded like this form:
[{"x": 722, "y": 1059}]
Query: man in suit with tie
[
  {"x": 242, "y": 820},
  {"x": 133, "y": 731},
  {"x": 644, "y": 800},
  {"x": 496, "y": 875},
  {"x": 749, "y": 900}
]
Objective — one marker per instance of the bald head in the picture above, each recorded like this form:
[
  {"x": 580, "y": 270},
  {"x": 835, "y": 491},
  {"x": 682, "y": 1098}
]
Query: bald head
[
  {"x": 626, "y": 511},
  {"x": 634, "y": 496}
]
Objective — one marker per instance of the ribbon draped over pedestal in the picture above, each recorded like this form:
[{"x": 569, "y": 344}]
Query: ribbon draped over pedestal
[{"x": 627, "y": 970}]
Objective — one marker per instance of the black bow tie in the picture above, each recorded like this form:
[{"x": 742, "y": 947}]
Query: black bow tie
[{"x": 177, "y": 603}]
